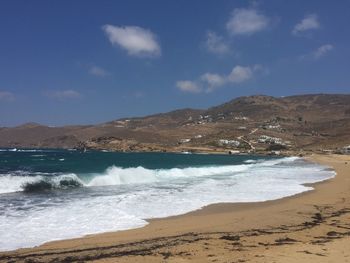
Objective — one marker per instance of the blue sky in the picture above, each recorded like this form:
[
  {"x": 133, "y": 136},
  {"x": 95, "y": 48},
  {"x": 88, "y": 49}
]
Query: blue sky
[{"x": 85, "y": 62}]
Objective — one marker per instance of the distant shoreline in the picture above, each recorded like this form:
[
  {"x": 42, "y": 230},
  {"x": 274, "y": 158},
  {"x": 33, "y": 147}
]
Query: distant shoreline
[{"x": 172, "y": 150}]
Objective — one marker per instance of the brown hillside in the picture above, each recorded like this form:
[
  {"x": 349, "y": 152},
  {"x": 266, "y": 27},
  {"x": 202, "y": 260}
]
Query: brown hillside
[{"x": 310, "y": 122}]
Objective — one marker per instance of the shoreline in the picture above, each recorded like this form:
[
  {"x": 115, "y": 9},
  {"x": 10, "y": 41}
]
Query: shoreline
[
  {"x": 179, "y": 150},
  {"x": 233, "y": 221}
]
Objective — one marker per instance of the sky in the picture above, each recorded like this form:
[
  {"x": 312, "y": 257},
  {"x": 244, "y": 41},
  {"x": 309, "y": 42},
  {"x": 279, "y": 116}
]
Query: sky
[{"x": 87, "y": 62}]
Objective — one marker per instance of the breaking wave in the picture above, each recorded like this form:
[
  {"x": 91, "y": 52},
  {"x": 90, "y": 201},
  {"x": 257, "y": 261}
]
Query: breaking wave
[
  {"x": 45, "y": 185},
  {"x": 23, "y": 181},
  {"x": 30, "y": 220},
  {"x": 39, "y": 182}
]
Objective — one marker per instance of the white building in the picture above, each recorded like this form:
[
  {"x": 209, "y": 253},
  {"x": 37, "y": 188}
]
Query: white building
[
  {"x": 232, "y": 143},
  {"x": 269, "y": 139},
  {"x": 242, "y": 118},
  {"x": 273, "y": 126}
]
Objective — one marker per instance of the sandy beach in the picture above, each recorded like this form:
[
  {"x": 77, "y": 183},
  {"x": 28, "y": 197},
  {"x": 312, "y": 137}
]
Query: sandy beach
[{"x": 309, "y": 227}]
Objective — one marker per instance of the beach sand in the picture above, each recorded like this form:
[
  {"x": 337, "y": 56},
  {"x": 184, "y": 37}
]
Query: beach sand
[{"x": 309, "y": 227}]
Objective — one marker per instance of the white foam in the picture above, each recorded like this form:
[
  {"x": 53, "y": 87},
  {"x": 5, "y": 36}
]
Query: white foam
[
  {"x": 10, "y": 183},
  {"x": 75, "y": 219},
  {"x": 139, "y": 175},
  {"x": 15, "y": 183},
  {"x": 150, "y": 193},
  {"x": 29, "y": 150},
  {"x": 117, "y": 176},
  {"x": 24, "y": 150}
]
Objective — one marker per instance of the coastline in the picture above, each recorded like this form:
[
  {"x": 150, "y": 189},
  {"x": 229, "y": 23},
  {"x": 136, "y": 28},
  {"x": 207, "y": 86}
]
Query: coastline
[
  {"x": 180, "y": 150},
  {"x": 291, "y": 229}
]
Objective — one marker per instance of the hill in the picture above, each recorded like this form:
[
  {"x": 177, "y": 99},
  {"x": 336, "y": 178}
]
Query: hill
[{"x": 314, "y": 122}]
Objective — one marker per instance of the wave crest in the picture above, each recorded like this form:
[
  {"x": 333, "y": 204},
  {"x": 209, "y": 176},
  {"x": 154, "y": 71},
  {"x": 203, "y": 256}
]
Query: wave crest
[
  {"x": 140, "y": 175},
  {"x": 23, "y": 181},
  {"x": 46, "y": 185}
]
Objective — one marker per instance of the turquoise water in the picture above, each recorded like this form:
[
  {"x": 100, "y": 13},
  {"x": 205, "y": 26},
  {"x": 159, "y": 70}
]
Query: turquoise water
[
  {"x": 57, "y": 194},
  {"x": 96, "y": 162}
]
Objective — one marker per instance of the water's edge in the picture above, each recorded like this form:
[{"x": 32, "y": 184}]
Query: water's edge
[{"x": 203, "y": 190}]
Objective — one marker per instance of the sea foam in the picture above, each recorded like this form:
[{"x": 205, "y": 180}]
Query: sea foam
[
  {"x": 123, "y": 198},
  {"x": 118, "y": 176}
]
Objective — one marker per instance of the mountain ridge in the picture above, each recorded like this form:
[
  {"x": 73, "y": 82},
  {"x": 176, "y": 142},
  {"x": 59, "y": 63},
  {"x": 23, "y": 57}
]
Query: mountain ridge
[{"x": 310, "y": 122}]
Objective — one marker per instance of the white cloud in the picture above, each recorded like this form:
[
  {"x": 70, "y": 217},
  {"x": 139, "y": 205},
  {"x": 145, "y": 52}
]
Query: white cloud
[
  {"x": 135, "y": 40},
  {"x": 63, "y": 94},
  {"x": 257, "y": 68},
  {"x": 188, "y": 86},
  {"x": 317, "y": 53},
  {"x": 213, "y": 80},
  {"x": 208, "y": 82},
  {"x": 309, "y": 22},
  {"x": 246, "y": 21},
  {"x": 322, "y": 50},
  {"x": 240, "y": 74},
  {"x": 98, "y": 71},
  {"x": 215, "y": 44},
  {"x": 6, "y": 96}
]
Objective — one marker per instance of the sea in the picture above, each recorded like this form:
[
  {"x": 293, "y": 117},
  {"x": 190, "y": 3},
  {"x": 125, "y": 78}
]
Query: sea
[{"x": 50, "y": 194}]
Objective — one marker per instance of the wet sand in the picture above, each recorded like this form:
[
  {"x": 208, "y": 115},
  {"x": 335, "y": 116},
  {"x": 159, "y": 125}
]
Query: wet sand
[{"x": 309, "y": 227}]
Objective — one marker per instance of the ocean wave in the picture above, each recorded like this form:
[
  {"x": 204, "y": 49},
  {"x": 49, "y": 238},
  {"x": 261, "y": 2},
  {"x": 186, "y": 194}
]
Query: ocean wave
[
  {"x": 38, "y": 155},
  {"x": 24, "y": 181},
  {"x": 28, "y": 150},
  {"x": 33, "y": 220},
  {"x": 9, "y": 150},
  {"x": 45, "y": 184},
  {"x": 118, "y": 176}
]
